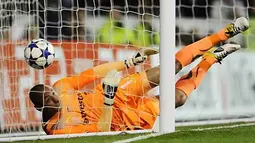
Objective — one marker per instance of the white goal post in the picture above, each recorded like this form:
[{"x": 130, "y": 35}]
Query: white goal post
[{"x": 167, "y": 66}]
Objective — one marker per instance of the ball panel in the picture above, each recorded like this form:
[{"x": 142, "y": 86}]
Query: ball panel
[
  {"x": 46, "y": 53},
  {"x": 51, "y": 48},
  {"x": 50, "y": 59},
  {"x": 42, "y": 45},
  {"x": 32, "y": 45},
  {"x": 27, "y": 52},
  {"x": 36, "y": 53},
  {"x": 36, "y": 66},
  {"x": 33, "y": 64},
  {"x": 41, "y": 61}
]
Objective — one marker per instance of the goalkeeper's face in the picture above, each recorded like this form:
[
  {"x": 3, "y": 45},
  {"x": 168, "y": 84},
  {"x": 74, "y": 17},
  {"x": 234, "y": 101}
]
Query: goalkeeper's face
[
  {"x": 51, "y": 99},
  {"x": 44, "y": 97}
]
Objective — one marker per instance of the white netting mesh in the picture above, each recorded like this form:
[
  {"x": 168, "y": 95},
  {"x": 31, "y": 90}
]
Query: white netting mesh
[
  {"x": 80, "y": 30},
  {"x": 75, "y": 30}
]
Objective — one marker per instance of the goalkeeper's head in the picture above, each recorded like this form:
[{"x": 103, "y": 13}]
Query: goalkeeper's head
[{"x": 44, "y": 97}]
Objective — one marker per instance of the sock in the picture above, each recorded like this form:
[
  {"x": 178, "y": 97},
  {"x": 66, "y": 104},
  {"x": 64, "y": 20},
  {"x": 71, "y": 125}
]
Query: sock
[
  {"x": 189, "y": 53},
  {"x": 192, "y": 80}
]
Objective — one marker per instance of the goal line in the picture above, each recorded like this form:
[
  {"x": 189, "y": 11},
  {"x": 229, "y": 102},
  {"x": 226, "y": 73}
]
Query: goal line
[
  {"x": 42, "y": 136},
  {"x": 195, "y": 130}
]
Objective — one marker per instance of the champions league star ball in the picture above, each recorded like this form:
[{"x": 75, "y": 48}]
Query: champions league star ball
[{"x": 39, "y": 53}]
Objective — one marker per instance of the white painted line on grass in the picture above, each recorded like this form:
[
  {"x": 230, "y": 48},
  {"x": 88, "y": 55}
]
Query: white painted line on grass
[
  {"x": 139, "y": 138},
  {"x": 211, "y": 122},
  {"x": 195, "y": 130},
  {"x": 223, "y": 127}
]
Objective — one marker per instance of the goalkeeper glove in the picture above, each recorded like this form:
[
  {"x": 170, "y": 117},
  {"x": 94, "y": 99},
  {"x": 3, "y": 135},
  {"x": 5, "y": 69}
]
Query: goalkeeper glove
[
  {"x": 137, "y": 59},
  {"x": 110, "y": 86},
  {"x": 140, "y": 58}
]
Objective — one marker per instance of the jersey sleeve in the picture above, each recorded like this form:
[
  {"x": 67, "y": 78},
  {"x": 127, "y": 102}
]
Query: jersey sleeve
[{"x": 77, "y": 81}]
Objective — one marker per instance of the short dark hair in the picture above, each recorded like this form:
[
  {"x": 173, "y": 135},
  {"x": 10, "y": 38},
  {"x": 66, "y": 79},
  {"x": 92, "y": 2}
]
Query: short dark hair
[{"x": 36, "y": 95}]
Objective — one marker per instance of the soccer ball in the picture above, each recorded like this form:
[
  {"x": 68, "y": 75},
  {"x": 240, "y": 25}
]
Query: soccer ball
[{"x": 39, "y": 53}]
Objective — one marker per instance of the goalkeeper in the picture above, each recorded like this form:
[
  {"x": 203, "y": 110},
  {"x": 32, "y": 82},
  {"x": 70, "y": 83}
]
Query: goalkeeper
[{"x": 120, "y": 103}]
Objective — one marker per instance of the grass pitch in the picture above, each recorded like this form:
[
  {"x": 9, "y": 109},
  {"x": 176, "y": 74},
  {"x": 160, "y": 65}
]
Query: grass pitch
[{"x": 227, "y": 133}]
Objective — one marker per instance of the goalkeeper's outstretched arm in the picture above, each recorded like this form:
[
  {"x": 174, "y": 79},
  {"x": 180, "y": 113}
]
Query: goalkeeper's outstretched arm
[{"x": 78, "y": 81}]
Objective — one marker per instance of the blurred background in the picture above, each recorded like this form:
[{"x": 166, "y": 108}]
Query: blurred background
[
  {"x": 88, "y": 32},
  {"x": 132, "y": 21}
]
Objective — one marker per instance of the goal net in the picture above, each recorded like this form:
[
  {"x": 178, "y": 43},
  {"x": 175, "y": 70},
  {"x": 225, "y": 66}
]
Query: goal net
[{"x": 86, "y": 33}]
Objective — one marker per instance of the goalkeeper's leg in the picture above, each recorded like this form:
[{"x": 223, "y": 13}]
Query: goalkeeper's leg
[
  {"x": 189, "y": 53},
  {"x": 192, "y": 80}
]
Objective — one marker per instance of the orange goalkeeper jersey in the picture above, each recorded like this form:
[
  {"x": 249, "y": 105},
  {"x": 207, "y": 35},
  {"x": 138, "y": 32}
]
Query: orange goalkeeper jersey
[{"x": 81, "y": 111}]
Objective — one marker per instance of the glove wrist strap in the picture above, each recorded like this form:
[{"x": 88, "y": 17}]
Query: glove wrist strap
[
  {"x": 129, "y": 63},
  {"x": 109, "y": 93}
]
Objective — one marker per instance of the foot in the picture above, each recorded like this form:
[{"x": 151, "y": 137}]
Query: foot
[
  {"x": 241, "y": 24},
  {"x": 220, "y": 53}
]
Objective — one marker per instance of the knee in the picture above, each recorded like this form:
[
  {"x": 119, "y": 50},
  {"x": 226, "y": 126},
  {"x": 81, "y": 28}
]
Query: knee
[
  {"x": 180, "y": 98},
  {"x": 156, "y": 72},
  {"x": 178, "y": 66},
  {"x": 153, "y": 75}
]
